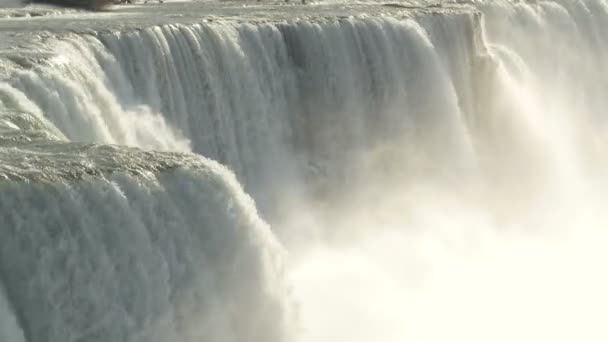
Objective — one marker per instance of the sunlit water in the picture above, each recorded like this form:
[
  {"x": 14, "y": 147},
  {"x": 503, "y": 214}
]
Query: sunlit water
[{"x": 432, "y": 174}]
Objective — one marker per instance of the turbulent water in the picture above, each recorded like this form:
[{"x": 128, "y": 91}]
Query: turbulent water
[{"x": 333, "y": 172}]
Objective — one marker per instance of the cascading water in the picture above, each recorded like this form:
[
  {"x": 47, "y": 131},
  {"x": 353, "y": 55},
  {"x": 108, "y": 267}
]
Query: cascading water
[
  {"x": 434, "y": 173},
  {"x": 107, "y": 243}
]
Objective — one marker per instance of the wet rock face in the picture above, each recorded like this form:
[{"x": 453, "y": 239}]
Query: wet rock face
[{"x": 92, "y": 5}]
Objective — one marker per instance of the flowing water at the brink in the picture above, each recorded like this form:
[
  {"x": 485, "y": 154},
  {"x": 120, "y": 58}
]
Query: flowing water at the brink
[{"x": 418, "y": 176}]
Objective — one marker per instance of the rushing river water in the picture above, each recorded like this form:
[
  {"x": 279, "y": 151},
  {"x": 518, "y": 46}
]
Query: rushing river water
[{"x": 269, "y": 172}]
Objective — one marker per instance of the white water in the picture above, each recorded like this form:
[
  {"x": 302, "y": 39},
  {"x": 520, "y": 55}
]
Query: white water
[
  {"x": 434, "y": 178},
  {"x": 134, "y": 256}
]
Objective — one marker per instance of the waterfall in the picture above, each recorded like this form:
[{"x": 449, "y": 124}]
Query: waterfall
[
  {"x": 431, "y": 174},
  {"x": 309, "y": 96},
  {"x": 109, "y": 244}
]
